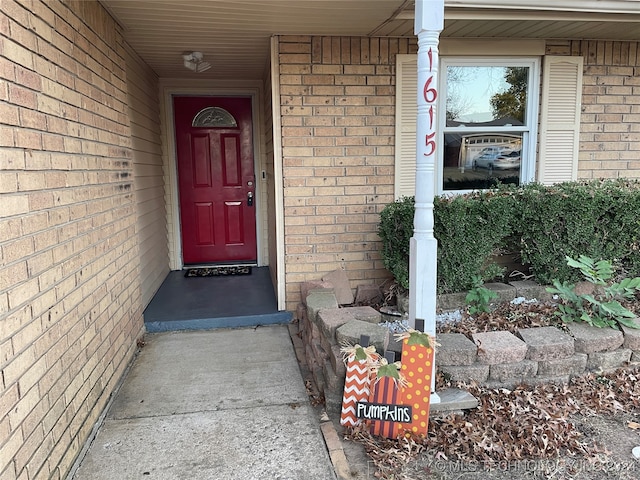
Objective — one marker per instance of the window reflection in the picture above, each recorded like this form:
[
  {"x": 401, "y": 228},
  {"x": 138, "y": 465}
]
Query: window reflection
[{"x": 483, "y": 160}]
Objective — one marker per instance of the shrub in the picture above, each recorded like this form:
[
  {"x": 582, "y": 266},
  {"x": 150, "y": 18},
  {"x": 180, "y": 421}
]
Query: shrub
[
  {"x": 469, "y": 230},
  {"x": 395, "y": 230},
  {"x": 479, "y": 298},
  {"x": 602, "y": 308},
  {"x": 544, "y": 224},
  {"x": 597, "y": 219}
]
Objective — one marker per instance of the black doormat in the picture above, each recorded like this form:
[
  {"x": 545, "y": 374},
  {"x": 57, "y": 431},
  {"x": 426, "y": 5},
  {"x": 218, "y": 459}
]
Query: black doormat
[{"x": 218, "y": 271}]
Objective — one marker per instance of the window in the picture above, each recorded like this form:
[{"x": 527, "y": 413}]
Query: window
[
  {"x": 465, "y": 135},
  {"x": 488, "y": 119},
  {"x": 214, "y": 117}
]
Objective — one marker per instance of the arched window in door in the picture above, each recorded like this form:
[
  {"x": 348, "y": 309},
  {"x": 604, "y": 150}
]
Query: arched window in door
[{"x": 214, "y": 117}]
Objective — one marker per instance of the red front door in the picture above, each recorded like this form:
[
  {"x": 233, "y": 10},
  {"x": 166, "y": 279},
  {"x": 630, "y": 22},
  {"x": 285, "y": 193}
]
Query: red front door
[{"x": 216, "y": 179}]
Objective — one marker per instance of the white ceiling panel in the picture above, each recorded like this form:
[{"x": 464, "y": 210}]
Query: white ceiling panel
[{"x": 234, "y": 35}]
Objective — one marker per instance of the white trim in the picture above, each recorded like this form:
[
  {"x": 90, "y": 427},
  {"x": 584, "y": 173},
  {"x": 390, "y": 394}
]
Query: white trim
[
  {"x": 278, "y": 177},
  {"x": 171, "y": 87},
  {"x": 593, "y": 6}
]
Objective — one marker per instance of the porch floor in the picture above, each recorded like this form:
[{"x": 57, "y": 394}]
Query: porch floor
[{"x": 202, "y": 303}]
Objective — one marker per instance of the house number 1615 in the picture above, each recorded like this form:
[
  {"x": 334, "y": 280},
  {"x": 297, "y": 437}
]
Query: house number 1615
[{"x": 430, "y": 95}]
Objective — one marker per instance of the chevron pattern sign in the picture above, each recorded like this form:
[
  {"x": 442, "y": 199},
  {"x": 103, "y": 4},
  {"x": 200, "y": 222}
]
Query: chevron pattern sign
[{"x": 356, "y": 383}]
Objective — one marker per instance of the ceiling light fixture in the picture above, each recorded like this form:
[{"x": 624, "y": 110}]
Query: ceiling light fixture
[{"x": 194, "y": 61}]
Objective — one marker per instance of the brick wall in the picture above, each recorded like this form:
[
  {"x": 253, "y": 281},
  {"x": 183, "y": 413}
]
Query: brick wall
[
  {"x": 610, "y": 131},
  {"x": 338, "y": 114},
  {"x": 70, "y": 308},
  {"x": 337, "y": 107}
]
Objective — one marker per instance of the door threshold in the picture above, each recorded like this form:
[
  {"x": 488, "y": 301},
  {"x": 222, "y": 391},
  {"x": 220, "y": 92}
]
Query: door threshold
[{"x": 214, "y": 265}]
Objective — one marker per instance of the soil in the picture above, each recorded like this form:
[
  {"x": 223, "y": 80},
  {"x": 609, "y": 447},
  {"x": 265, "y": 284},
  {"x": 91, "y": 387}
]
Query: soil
[{"x": 584, "y": 430}]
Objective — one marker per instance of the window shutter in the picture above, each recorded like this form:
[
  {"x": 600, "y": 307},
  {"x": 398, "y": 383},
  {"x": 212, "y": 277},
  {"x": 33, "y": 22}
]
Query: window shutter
[
  {"x": 560, "y": 119},
  {"x": 406, "y": 115}
]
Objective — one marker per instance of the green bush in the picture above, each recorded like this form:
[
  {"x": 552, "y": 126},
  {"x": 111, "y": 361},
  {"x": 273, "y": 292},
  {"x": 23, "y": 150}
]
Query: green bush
[
  {"x": 601, "y": 308},
  {"x": 544, "y": 224},
  {"x": 396, "y": 230},
  {"x": 470, "y": 230},
  {"x": 597, "y": 219}
]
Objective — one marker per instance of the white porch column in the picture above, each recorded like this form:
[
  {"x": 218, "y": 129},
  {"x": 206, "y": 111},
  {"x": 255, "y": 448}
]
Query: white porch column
[{"x": 429, "y": 22}]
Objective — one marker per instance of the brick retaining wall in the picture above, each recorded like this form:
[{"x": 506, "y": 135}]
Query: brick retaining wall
[{"x": 496, "y": 359}]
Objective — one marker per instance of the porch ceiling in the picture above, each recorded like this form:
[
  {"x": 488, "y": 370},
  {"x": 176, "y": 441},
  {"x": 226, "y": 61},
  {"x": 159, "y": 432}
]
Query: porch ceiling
[{"x": 234, "y": 34}]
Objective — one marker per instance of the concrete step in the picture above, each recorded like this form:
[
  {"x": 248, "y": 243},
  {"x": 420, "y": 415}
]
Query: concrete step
[
  {"x": 221, "y": 322},
  {"x": 453, "y": 399}
]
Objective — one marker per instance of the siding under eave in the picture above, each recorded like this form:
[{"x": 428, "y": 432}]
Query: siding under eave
[{"x": 144, "y": 111}]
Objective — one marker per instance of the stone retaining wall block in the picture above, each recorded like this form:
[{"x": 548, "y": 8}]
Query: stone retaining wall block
[
  {"x": 505, "y": 292},
  {"x": 351, "y": 331},
  {"x": 631, "y": 336},
  {"x": 342, "y": 287},
  {"x": 318, "y": 352},
  {"x": 531, "y": 290},
  {"x": 547, "y": 343},
  {"x": 451, "y": 301},
  {"x": 572, "y": 366},
  {"x": 326, "y": 345},
  {"x": 365, "y": 313},
  {"x": 333, "y": 403},
  {"x": 467, "y": 373},
  {"x": 455, "y": 349},
  {"x": 329, "y": 319},
  {"x": 318, "y": 378},
  {"x": 607, "y": 361},
  {"x": 513, "y": 372},
  {"x": 337, "y": 364},
  {"x": 368, "y": 294},
  {"x": 334, "y": 382},
  {"x": 318, "y": 300},
  {"x": 499, "y": 347},
  {"x": 314, "y": 285},
  {"x": 590, "y": 339}
]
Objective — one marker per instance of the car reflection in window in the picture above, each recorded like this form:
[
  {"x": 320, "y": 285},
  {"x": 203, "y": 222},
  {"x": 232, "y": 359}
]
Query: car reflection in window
[{"x": 498, "y": 158}]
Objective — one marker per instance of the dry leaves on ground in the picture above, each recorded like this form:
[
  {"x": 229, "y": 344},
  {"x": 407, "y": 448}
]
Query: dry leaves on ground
[
  {"x": 513, "y": 317},
  {"x": 528, "y": 422},
  {"x": 506, "y": 316}
]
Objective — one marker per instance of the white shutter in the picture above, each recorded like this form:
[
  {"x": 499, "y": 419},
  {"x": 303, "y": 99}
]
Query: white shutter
[
  {"x": 406, "y": 115},
  {"x": 560, "y": 119}
]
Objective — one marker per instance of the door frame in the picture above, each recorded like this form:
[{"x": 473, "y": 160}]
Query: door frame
[{"x": 198, "y": 89}]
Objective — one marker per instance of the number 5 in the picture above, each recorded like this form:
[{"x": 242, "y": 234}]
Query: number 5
[{"x": 430, "y": 143}]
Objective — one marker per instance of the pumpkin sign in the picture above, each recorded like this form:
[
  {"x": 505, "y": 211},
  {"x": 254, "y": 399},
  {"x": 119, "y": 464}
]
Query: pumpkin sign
[
  {"x": 385, "y": 398},
  {"x": 357, "y": 381},
  {"x": 417, "y": 369},
  {"x": 392, "y": 398}
]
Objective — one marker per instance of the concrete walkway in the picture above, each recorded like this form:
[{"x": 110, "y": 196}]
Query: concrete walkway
[{"x": 209, "y": 405}]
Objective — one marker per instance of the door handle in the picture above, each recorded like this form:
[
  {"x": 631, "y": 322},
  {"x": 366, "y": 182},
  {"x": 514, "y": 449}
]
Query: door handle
[{"x": 250, "y": 199}]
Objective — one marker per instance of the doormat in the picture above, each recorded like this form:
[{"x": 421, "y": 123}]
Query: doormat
[{"x": 218, "y": 271}]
